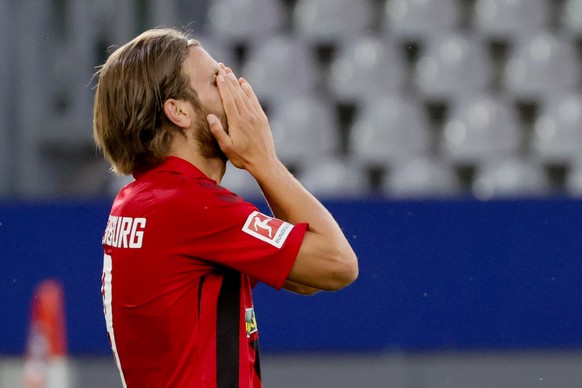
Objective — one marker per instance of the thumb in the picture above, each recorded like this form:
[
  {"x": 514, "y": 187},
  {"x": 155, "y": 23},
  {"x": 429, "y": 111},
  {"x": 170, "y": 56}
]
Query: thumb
[{"x": 217, "y": 130}]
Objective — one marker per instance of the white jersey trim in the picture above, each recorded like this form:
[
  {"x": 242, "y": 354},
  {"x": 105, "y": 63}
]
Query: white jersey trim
[{"x": 106, "y": 292}]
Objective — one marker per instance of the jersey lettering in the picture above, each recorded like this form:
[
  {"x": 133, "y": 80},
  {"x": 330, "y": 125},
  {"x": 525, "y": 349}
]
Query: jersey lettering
[{"x": 124, "y": 232}]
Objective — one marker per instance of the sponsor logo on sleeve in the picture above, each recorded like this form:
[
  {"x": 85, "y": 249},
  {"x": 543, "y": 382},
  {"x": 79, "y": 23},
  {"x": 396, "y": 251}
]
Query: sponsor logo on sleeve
[{"x": 268, "y": 229}]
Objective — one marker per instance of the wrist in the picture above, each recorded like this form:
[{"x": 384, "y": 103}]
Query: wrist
[{"x": 267, "y": 169}]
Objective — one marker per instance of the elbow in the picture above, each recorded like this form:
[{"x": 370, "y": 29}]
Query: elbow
[
  {"x": 306, "y": 291},
  {"x": 300, "y": 288},
  {"x": 343, "y": 273}
]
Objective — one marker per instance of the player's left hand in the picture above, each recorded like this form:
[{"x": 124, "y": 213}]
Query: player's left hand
[{"x": 249, "y": 142}]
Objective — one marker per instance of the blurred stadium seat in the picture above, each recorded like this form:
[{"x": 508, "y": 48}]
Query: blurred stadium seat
[
  {"x": 422, "y": 177},
  {"x": 304, "y": 128},
  {"x": 242, "y": 21},
  {"x": 510, "y": 177},
  {"x": 388, "y": 129},
  {"x": 571, "y": 16},
  {"x": 280, "y": 66},
  {"x": 480, "y": 127},
  {"x": 557, "y": 136},
  {"x": 241, "y": 183},
  {"x": 539, "y": 64},
  {"x": 366, "y": 66},
  {"x": 574, "y": 179},
  {"x": 509, "y": 19},
  {"x": 333, "y": 177},
  {"x": 418, "y": 19},
  {"x": 453, "y": 64},
  {"x": 326, "y": 21}
]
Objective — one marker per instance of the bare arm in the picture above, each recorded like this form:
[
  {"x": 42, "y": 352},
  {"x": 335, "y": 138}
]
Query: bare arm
[
  {"x": 299, "y": 288},
  {"x": 325, "y": 260}
]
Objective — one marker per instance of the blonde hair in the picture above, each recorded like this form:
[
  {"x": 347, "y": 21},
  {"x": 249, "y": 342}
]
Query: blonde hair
[{"x": 129, "y": 124}]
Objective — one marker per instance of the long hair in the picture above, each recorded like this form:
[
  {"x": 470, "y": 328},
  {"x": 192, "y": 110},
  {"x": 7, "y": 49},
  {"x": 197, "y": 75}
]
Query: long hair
[{"x": 129, "y": 124}]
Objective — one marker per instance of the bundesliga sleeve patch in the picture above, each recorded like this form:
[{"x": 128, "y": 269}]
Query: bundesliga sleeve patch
[{"x": 268, "y": 229}]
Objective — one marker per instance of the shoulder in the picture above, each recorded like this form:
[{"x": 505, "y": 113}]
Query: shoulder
[{"x": 199, "y": 195}]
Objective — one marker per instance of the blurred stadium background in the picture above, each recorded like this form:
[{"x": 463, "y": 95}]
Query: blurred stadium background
[{"x": 445, "y": 135}]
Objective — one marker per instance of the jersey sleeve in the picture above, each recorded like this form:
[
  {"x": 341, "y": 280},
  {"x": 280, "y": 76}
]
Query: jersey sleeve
[{"x": 223, "y": 230}]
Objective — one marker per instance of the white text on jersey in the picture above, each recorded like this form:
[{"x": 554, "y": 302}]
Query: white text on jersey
[{"x": 124, "y": 232}]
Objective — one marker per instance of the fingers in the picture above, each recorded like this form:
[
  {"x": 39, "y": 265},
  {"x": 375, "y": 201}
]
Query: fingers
[
  {"x": 241, "y": 98},
  {"x": 254, "y": 100},
  {"x": 235, "y": 88},
  {"x": 226, "y": 95}
]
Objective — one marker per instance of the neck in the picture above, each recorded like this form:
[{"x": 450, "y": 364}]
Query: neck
[{"x": 214, "y": 168}]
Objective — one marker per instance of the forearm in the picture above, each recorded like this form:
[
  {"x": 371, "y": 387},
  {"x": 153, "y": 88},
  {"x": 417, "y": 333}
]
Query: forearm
[
  {"x": 325, "y": 260},
  {"x": 291, "y": 202}
]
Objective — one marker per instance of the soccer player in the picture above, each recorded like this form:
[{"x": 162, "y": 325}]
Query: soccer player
[{"x": 182, "y": 253}]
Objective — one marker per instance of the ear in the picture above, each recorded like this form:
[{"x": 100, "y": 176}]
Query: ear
[{"x": 179, "y": 112}]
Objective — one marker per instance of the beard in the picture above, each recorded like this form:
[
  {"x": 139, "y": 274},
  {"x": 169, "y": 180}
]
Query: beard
[{"x": 207, "y": 143}]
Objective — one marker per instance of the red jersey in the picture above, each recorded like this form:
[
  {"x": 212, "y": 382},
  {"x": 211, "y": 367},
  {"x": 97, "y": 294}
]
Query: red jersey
[{"x": 181, "y": 257}]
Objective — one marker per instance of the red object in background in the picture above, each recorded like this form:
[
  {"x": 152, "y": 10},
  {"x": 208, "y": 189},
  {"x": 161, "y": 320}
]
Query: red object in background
[{"x": 47, "y": 333}]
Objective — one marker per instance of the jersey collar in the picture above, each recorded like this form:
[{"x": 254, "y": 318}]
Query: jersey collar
[{"x": 174, "y": 164}]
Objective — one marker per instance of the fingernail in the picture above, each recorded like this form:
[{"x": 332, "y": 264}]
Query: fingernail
[
  {"x": 232, "y": 76},
  {"x": 220, "y": 78},
  {"x": 211, "y": 119}
]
